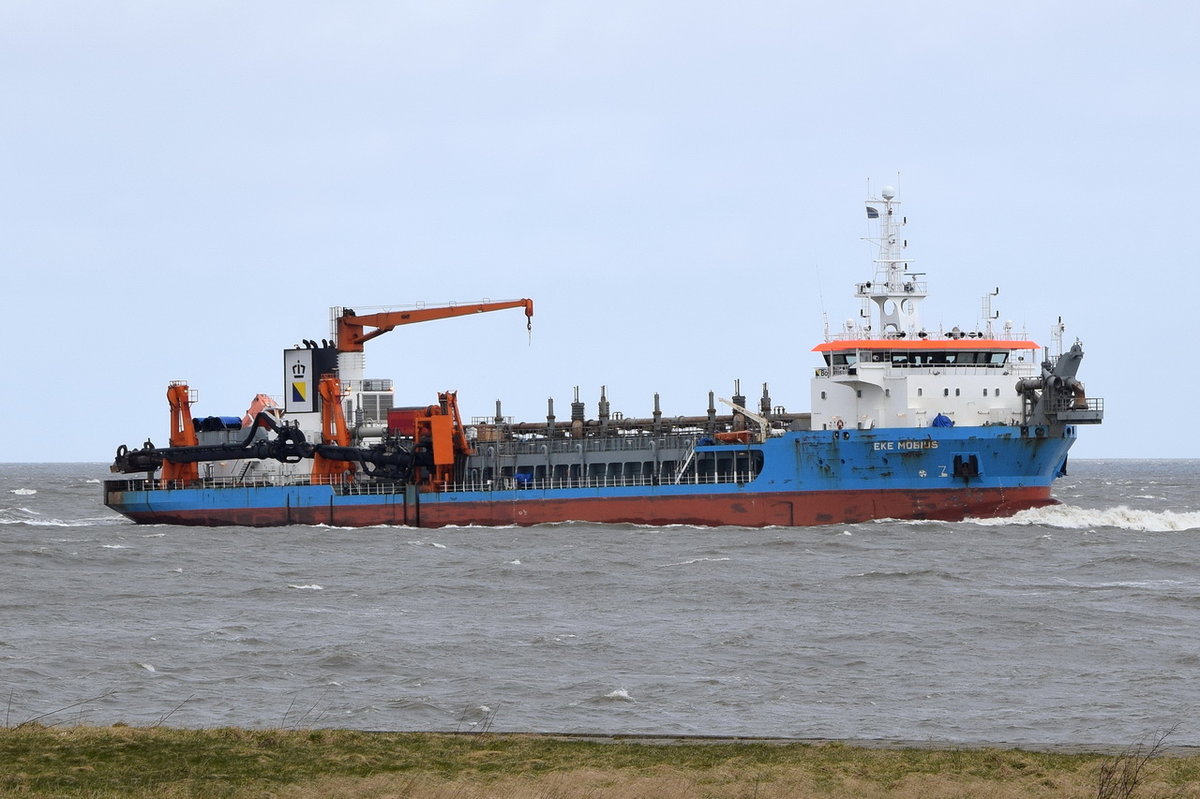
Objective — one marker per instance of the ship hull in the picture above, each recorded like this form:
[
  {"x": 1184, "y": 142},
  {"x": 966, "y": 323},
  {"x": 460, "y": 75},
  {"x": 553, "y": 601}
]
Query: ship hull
[
  {"x": 809, "y": 478},
  {"x": 311, "y": 505}
]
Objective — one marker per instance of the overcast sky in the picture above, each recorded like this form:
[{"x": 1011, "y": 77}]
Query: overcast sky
[{"x": 188, "y": 187}]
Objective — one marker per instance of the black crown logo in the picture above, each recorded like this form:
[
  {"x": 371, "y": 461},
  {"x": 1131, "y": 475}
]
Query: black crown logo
[{"x": 298, "y": 370}]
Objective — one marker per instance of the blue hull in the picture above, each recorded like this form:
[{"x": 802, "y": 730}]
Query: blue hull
[{"x": 811, "y": 477}]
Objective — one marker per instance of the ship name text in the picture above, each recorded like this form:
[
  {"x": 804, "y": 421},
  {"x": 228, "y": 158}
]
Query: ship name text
[{"x": 904, "y": 444}]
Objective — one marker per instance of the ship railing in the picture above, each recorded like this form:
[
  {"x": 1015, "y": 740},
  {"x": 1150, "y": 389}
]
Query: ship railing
[
  {"x": 596, "y": 481},
  {"x": 255, "y": 481},
  {"x": 884, "y": 289},
  {"x": 1058, "y": 404},
  {"x": 616, "y": 443},
  {"x": 374, "y": 487},
  {"x": 856, "y": 333},
  {"x": 371, "y": 487}
]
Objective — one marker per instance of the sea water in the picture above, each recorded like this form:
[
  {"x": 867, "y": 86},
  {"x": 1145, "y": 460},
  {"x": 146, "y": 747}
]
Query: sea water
[{"x": 1072, "y": 624}]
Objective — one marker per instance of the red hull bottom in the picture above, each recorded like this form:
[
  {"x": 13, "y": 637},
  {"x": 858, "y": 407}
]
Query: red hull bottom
[{"x": 742, "y": 510}]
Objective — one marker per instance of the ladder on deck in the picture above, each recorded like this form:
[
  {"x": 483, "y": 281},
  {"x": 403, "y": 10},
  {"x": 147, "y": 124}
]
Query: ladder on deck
[
  {"x": 691, "y": 453},
  {"x": 241, "y": 478}
]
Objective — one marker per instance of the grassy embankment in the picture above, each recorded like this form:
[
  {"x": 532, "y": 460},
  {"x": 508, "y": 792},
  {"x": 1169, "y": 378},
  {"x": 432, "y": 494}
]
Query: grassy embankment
[{"x": 119, "y": 761}]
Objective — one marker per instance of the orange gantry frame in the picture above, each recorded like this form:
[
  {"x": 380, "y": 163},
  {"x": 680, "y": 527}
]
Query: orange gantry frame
[
  {"x": 183, "y": 433},
  {"x": 351, "y": 327},
  {"x": 441, "y": 432},
  {"x": 333, "y": 431}
]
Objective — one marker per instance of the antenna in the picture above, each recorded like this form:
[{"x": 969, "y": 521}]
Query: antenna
[
  {"x": 821, "y": 299},
  {"x": 988, "y": 315}
]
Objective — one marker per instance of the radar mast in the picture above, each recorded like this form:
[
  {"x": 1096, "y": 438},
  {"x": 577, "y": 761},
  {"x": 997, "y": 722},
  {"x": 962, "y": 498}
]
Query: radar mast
[{"x": 896, "y": 292}]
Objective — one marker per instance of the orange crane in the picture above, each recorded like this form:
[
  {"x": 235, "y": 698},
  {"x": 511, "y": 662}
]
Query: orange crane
[
  {"x": 440, "y": 430},
  {"x": 350, "y": 326}
]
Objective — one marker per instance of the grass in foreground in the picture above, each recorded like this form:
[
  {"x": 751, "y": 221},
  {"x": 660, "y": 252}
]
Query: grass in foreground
[{"x": 119, "y": 761}]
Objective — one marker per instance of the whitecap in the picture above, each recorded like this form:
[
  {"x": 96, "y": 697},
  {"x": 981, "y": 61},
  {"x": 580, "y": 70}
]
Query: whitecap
[
  {"x": 24, "y": 492},
  {"x": 694, "y": 560},
  {"x": 147, "y": 666},
  {"x": 1071, "y": 517},
  {"x": 38, "y": 522},
  {"x": 310, "y": 587},
  {"x": 619, "y": 695}
]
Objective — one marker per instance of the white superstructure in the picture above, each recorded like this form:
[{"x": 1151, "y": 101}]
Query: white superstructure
[{"x": 887, "y": 369}]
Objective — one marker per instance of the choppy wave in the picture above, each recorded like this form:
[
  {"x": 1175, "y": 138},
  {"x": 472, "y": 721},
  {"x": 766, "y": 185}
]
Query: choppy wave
[
  {"x": 1067, "y": 624},
  {"x": 17, "y": 515},
  {"x": 901, "y": 574},
  {"x": 692, "y": 561},
  {"x": 32, "y": 520},
  {"x": 1071, "y": 517}
]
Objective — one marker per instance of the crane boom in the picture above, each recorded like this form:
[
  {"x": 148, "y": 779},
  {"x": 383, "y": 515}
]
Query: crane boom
[
  {"x": 763, "y": 424},
  {"x": 351, "y": 333}
]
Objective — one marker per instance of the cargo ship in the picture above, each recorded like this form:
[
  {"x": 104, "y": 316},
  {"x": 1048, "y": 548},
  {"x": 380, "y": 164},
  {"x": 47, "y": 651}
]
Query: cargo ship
[{"x": 906, "y": 421}]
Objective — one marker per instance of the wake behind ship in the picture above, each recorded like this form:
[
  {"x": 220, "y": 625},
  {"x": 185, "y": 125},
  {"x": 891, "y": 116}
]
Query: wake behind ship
[{"x": 906, "y": 422}]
